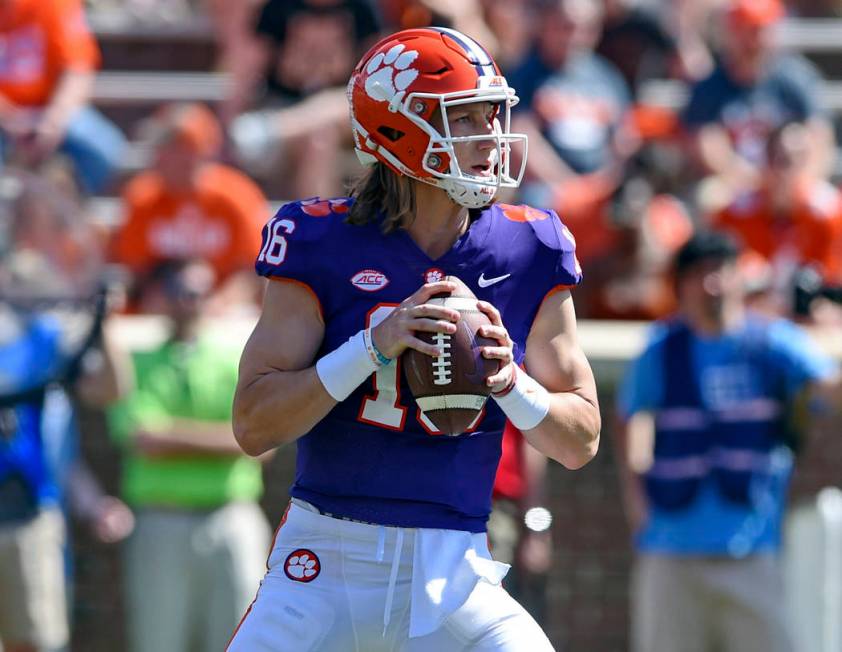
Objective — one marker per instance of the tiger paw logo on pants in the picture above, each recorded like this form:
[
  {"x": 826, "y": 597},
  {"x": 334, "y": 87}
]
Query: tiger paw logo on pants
[{"x": 302, "y": 565}]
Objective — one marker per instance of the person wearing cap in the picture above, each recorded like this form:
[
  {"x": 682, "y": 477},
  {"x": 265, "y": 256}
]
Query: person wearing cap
[
  {"x": 187, "y": 205},
  {"x": 752, "y": 90},
  {"x": 705, "y": 449},
  {"x": 48, "y": 62}
]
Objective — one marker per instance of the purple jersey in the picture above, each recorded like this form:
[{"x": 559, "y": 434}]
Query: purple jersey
[{"x": 374, "y": 457}]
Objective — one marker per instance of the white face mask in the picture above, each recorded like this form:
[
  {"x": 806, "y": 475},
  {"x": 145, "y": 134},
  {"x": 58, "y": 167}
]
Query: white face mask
[
  {"x": 473, "y": 191},
  {"x": 468, "y": 190}
]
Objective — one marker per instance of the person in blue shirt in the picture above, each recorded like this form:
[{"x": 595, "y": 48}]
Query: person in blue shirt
[
  {"x": 706, "y": 452},
  {"x": 573, "y": 100},
  {"x": 34, "y": 474}
]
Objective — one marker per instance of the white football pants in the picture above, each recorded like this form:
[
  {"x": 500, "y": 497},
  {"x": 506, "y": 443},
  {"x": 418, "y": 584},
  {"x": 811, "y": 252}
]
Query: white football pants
[{"x": 341, "y": 586}]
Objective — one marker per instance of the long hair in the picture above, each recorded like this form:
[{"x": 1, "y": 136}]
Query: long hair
[{"x": 378, "y": 190}]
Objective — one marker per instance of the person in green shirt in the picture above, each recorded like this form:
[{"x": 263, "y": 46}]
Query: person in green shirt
[{"x": 199, "y": 548}]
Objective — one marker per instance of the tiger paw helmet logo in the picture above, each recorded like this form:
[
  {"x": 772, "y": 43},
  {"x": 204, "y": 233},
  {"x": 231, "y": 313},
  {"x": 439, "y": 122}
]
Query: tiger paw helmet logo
[
  {"x": 302, "y": 565},
  {"x": 389, "y": 74}
]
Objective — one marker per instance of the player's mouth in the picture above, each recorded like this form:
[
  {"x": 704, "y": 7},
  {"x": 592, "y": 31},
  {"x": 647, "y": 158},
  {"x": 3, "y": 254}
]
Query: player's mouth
[{"x": 482, "y": 170}]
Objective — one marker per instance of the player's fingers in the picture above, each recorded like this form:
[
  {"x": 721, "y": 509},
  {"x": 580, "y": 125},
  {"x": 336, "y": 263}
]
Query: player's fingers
[
  {"x": 427, "y": 290},
  {"x": 501, "y": 378},
  {"x": 491, "y": 311},
  {"x": 498, "y": 333},
  {"x": 503, "y": 353},
  {"x": 435, "y": 312},
  {"x": 422, "y": 346},
  {"x": 432, "y": 325}
]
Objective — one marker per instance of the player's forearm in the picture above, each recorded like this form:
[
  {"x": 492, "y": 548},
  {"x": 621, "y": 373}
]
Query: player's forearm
[
  {"x": 278, "y": 407},
  {"x": 569, "y": 433},
  {"x": 196, "y": 436},
  {"x": 718, "y": 156},
  {"x": 74, "y": 90}
]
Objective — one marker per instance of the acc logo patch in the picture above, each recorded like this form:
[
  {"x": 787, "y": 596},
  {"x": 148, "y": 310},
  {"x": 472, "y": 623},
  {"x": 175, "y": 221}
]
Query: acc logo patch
[
  {"x": 523, "y": 213},
  {"x": 323, "y": 207},
  {"x": 302, "y": 565},
  {"x": 369, "y": 280},
  {"x": 434, "y": 274}
]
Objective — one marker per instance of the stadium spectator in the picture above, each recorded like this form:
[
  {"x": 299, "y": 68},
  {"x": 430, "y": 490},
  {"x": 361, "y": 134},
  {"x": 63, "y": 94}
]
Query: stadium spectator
[
  {"x": 199, "y": 549},
  {"x": 188, "y": 206},
  {"x": 294, "y": 128},
  {"x": 752, "y": 90},
  {"x": 574, "y": 105},
  {"x": 651, "y": 42},
  {"x": 791, "y": 219},
  {"x": 467, "y": 17},
  {"x": 47, "y": 64},
  {"x": 709, "y": 414},
  {"x": 39, "y": 470},
  {"x": 48, "y": 222},
  {"x": 232, "y": 23},
  {"x": 510, "y": 23},
  {"x": 631, "y": 279},
  {"x": 519, "y": 527}
]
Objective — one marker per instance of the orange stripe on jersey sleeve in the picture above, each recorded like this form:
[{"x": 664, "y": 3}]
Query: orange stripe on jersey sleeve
[{"x": 558, "y": 288}]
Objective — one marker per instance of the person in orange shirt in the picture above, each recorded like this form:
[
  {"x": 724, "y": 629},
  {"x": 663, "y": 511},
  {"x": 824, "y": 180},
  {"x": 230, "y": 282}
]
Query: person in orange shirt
[
  {"x": 188, "y": 206},
  {"x": 48, "y": 58},
  {"x": 790, "y": 219}
]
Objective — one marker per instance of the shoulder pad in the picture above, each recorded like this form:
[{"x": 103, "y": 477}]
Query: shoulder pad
[
  {"x": 553, "y": 236},
  {"x": 293, "y": 240}
]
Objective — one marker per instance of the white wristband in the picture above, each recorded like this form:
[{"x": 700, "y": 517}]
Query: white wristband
[
  {"x": 342, "y": 370},
  {"x": 526, "y": 403}
]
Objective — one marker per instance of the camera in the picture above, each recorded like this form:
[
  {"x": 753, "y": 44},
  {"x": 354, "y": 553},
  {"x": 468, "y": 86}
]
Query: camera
[{"x": 808, "y": 285}]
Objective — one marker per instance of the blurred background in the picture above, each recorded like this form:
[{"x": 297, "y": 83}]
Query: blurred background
[{"x": 145, "y": 143}]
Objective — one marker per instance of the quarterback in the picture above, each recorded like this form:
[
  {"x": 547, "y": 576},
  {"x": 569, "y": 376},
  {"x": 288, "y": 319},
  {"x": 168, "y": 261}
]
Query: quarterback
[{"x": 383, "y": 546}]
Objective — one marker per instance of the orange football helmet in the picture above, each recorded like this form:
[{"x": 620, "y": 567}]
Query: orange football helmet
[{"x": 399, "y": 85}]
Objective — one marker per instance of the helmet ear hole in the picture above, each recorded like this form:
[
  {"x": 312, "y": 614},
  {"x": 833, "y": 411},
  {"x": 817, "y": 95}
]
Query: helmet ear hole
[{"x": 393, "y": 135}]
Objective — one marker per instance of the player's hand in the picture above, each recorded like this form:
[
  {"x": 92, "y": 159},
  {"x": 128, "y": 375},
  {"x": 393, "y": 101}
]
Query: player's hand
[
  {"x": 398, "y": 331},
  {"x": 112, "y": 521},
  {"x": 504, "y": 351}
]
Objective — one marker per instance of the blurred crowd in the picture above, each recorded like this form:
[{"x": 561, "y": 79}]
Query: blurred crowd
[
  {"x": 745, "y": 145},
  {"x": 648, "y": 121}
]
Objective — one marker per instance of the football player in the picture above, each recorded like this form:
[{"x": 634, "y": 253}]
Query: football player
[{"x": 383, "y": 546}]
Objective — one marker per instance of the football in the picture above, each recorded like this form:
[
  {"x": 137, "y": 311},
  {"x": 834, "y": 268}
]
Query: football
[{"x": 450, "y": 389}]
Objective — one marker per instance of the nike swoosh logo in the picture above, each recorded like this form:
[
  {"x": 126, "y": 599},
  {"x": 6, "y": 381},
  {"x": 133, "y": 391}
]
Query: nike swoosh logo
[{"x": 485, "y": 282}]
